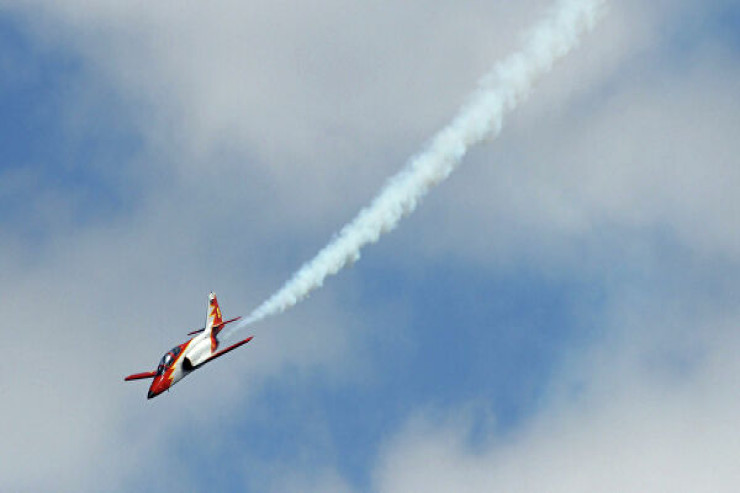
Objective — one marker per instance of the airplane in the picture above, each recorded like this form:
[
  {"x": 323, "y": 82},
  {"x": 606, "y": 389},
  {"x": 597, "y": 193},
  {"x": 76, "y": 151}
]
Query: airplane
[{"x": 181, "y": 360}]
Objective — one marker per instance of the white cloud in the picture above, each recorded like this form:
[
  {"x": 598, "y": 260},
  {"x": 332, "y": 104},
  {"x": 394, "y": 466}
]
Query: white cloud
[
  {"x": 322, "y": 96},
  {"x": 643, "y": 413}
]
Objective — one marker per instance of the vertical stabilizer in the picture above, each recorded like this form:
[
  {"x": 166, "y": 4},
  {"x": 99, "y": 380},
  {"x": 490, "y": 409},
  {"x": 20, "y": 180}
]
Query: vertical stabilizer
[{"x": 213, "y": 318}]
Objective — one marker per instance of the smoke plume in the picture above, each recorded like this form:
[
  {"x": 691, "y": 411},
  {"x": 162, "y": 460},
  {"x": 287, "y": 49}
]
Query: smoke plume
[{"x": 499, "y": 91}]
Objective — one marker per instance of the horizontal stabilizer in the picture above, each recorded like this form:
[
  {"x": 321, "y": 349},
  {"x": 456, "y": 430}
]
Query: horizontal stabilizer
[
  {"x": 217, "y": 326},
  {"x": 139, "y": 376}
]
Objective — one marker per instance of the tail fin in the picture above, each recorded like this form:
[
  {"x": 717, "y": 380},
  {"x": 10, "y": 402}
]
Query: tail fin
[{"x": 213, "y": 319}]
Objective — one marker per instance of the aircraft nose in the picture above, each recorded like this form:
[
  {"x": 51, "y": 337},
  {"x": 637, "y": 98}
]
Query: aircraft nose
[{"x": 158, "y": 386}]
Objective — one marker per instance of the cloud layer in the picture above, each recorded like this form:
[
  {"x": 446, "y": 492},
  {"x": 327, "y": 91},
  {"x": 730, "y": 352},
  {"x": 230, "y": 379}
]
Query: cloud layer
[{"x": 188, "y": 142}]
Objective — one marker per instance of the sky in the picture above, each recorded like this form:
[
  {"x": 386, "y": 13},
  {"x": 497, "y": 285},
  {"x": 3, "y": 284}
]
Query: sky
[{"x": 560, "y": 315}]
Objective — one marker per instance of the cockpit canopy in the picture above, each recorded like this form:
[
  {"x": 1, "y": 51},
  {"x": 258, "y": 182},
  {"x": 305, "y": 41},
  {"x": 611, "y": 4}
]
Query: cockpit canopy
[{"x": 168, "y": 359}]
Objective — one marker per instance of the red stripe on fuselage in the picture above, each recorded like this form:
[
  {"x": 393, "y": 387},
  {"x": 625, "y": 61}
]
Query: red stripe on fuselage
[{"x": 164, "y": 381}]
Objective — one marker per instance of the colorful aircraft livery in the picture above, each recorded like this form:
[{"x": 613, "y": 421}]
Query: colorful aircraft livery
[{"x": 181, "y": 360}]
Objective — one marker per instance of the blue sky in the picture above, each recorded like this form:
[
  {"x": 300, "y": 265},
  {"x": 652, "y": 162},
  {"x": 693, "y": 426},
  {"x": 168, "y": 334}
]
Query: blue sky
[
  {"x": 560, "y": 315},
  {"x": 53, "y": 149}
]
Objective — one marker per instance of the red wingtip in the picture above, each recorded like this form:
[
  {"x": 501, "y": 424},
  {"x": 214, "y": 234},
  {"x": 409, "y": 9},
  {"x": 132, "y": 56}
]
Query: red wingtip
[{"x": 139, "y": 376}]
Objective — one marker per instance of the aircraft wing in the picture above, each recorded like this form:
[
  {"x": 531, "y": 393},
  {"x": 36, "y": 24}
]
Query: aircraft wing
[
  {"x": 139, "y": 376},
  {"x": 224, "y": 351}
]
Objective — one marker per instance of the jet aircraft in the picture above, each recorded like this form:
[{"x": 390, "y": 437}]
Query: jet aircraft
[{"x": 181, "y": 360}]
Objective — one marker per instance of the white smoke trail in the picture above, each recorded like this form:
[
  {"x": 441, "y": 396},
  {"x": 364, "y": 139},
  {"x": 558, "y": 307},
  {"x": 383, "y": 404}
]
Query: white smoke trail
[{"x": 499, "y": 92}]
